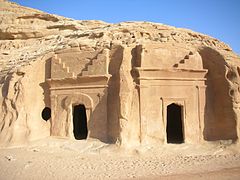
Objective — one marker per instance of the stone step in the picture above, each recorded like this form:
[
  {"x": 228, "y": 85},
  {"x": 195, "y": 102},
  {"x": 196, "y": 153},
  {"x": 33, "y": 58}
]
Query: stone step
[
  {"x": 190, "y": 53},
  {"x": 187, "y": 57},
  {"x": 175, "y": 65},
  {"x": 182, "y": 61}
]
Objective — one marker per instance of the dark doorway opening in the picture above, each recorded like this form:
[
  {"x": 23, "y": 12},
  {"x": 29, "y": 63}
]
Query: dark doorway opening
[
  {"x": 80, "y": 129},
  {"x": 174, "y": 124}
]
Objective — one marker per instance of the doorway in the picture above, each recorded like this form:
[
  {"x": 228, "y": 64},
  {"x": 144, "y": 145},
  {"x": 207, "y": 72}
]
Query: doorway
[
  {"x": 174, "y": 124},
  {"x": 80, "y": 129}
]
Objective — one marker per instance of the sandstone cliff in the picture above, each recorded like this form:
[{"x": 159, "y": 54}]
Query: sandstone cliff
[{"x": 29, "y": 38}]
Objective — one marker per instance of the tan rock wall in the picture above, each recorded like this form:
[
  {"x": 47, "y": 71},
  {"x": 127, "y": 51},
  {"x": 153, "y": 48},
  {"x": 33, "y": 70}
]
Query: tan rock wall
[
  {"x": 129, "y": 124},
  {"x": 23, "y": 99},
  {"x": 220, "y": 122},
  {"x": 30, "y": 38},
  {"x": 116, "y": 57},
  {"x": 123, "y": 99}
]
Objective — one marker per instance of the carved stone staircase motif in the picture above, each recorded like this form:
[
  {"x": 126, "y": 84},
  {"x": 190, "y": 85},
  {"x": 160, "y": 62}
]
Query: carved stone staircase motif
[
  {"x": 187, "y": 62},
  {"x": 97, "y": 65},
  {"x": 89, "y": 66},
  {"x": 60, "y": 70}
]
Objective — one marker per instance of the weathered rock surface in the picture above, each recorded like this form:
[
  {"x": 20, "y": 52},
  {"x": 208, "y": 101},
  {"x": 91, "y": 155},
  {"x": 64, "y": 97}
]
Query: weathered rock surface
[{"x": 31, "y": 39}]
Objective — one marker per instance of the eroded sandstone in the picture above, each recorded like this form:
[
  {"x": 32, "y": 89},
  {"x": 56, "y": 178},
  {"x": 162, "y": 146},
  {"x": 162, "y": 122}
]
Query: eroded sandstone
[{"x": 130, "y": 77}]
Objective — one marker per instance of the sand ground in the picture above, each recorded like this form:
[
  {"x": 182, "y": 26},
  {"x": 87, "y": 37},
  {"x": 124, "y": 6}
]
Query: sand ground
[{"x": 53, "y": 158}]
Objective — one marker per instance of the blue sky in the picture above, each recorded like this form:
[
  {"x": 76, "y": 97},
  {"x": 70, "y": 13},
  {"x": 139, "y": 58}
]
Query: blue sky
[{"x": 217, "y": 18}]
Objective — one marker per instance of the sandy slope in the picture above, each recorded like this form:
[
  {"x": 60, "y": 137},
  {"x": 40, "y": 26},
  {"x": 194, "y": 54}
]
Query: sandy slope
[
  {"x": 62, "y": 159},
  {"x": 223, "y": 174}
]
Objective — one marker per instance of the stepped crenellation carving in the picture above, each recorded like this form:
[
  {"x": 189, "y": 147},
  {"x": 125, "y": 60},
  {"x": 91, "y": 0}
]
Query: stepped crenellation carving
[
  {"x": 190, "y": 61},
  {"x": 60, "y": 69},
  {"x": 97, "y": 65}
]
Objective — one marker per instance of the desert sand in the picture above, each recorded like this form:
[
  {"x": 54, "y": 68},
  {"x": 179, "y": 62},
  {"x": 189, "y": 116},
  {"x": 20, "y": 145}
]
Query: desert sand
[{"x": 54, "y": 158}]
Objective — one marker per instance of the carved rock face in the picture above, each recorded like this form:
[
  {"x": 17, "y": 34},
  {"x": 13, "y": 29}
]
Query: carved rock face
[{"x": 126, "y": 75}]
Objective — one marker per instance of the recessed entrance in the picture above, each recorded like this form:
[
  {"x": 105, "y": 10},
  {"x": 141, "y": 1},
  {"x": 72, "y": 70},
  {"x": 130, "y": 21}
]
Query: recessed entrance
[
  {"x": 80, "y": 129},
  {"x": 174, "y": 124}
]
